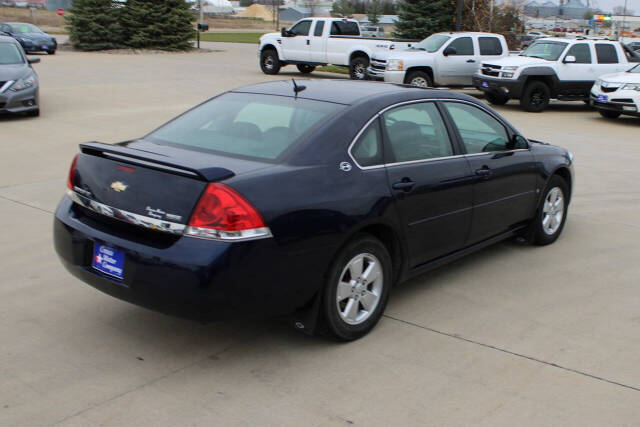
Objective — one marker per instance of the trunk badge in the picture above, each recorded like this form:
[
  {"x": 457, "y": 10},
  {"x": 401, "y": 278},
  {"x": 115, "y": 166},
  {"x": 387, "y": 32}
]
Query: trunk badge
[{"x": 118, "y": 186}]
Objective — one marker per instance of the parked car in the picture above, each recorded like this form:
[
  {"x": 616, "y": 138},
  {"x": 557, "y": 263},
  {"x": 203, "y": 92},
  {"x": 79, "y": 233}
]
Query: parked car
[
  {"x": 551, "y": 68},
  {"x": 371, "y": 31},
  {"x": 308, "y": 198},
  {"x": 442, "y": 59},
  {"x": 32, "y": 38},
  {"x": 635, "y": 46},
  {"x": 617, "y": 94},
  {"x": 19, "y": 86},
  {"x": 312, "y": 42}
]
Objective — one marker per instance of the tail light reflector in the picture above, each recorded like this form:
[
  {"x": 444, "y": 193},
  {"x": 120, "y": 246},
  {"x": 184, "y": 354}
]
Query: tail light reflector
[
  {"x": 223, "y": 214},
  {"x": 72, "y": 173}
]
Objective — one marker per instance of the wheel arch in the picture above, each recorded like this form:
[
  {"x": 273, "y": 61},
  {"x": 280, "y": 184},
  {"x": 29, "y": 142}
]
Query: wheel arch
[
  {"x": 564, "y": 173},
  {"x": 359, "y": 53},
  {"x": 391, "y": 240},
  {"x": 543, "y": 74},
  {"x": 272, "y": 47},
  {"x": 424, "y": 69}
]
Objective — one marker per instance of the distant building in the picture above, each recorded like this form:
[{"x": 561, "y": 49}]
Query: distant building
[{"x": 572, "y": 9}]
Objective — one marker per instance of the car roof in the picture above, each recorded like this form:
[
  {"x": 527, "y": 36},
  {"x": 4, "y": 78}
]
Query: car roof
[
  {"x": 347, "y": 92},
  {"x": 7, "y": 39}
]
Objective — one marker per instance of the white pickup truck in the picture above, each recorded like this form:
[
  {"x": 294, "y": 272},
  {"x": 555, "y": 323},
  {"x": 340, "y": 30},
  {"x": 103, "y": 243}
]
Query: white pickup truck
[
  {"x": 311, "y": 42},
  {"x": 442, "y": 59}
]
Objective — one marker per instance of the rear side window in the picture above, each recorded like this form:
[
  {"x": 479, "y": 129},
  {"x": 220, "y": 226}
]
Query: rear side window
[
  {"x": 606, "y": 53},
  {"x": 344, "y": 28},
  {"x": 301, "y": 28},
  {"x": 463, "y": 46},
  {"x": 416, "y": 132},
  {"x": 245, "y": 125},
  {"x": 319, "y": 28},
  {"x": 582, "y": 53},
  {"x": 490, "y": 46},
  {"x": 367, "y": 151},
  {"x": 480, "y": 132}
]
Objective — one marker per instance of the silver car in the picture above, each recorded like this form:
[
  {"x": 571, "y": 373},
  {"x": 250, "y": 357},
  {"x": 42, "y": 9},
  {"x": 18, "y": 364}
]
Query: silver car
[{"x": 18, "y": 81}]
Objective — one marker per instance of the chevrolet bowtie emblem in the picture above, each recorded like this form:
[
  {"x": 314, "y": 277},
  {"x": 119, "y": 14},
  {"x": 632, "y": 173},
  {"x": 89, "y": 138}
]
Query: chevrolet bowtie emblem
[{"x": 118, "y": 186}]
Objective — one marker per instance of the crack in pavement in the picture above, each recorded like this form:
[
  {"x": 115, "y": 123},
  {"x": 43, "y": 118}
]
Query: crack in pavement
[
  {"x": 26, "y": 204},
  {"x": 512, "y": 353}
]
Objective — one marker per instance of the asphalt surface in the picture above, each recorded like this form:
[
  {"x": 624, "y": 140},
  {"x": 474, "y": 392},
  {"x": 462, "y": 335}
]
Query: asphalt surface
[{"x": 513, "y": 335}]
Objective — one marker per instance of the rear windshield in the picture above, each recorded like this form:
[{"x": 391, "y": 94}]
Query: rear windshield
[
  {"x": 246, "y": 125},
  {"x": 9, "y": 54}
]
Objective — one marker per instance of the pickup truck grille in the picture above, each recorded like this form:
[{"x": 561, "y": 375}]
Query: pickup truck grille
[
  {"x": 491, "y": 70},
  {"x": 378, "y": 64}
]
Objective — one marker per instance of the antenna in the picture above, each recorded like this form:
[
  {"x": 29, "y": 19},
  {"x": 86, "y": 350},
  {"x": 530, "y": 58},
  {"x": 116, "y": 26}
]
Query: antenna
[{"x": 297, "y": 88}]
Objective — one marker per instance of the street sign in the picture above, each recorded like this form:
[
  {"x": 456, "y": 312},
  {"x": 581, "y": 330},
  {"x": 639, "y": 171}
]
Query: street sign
[{"x": 60, "y": 12}]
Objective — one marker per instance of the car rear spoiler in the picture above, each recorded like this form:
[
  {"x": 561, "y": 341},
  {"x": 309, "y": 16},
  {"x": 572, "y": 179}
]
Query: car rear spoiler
[{"x": 155, "y": 161}]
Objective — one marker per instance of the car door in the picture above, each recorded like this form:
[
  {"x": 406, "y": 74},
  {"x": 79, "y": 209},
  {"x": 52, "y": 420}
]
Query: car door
[
  {"x": 429, "y": 180},
  {"x": 490, "y": 48},
  {"x": 577, "y": 77},
  {"x": 457, "y": 68},
  {"x": 609, "y": 61},
  {"x": 296, "y": 46},
  {"x": 504, "y": 192},
  {"x": 318, "y": 44}
]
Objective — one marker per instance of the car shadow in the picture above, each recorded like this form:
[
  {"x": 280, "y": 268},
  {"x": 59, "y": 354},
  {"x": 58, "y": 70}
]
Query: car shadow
[{"x": 319, "y": 75}]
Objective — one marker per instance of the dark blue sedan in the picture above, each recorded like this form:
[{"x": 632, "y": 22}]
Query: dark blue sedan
[
  {"x": 309, "y": 199},
  {"x": 32, "y": 38}
]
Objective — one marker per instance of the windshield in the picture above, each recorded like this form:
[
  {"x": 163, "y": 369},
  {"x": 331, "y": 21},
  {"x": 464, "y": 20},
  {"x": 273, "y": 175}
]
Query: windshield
[
  {"x": 9, "y": 54},
  {"x": 635, "y": 69},
  {"x": 246, "y": 125},
  {"x": 548, "y": 50},
  {"x": 25, "y": 28},
  {"x": 431, "y": 43}
]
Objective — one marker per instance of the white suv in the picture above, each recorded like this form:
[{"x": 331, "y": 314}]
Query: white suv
[
  {"x": 616, "y": 94},
  {"x": 559, "y": 68}
]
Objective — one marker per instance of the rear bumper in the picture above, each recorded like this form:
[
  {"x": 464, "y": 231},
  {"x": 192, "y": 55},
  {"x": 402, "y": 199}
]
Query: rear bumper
[
  {"x": 510, "y": 87},
  {"x": 19, "y": 102},
  {"x": 30, "y": 47},
  {"x": 190, "y": 277}
]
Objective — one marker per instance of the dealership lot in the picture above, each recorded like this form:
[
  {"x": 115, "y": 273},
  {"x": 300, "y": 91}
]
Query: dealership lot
[{"x": 511, "y": 335}]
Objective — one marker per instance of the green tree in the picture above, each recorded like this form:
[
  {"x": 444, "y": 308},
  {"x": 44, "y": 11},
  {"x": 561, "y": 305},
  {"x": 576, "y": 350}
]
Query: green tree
[
  {"x": 158, "y": 24},
  {"x": 342, "y": 9},
  {"x": 95, "y": 25},
  {"x": 418, "y": 19},
  {"x": 374, "y": 11}
]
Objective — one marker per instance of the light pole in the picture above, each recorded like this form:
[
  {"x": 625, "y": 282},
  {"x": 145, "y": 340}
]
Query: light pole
[
  {"x": 624, "y": 16},
  {"x": 459, "y": 15}
]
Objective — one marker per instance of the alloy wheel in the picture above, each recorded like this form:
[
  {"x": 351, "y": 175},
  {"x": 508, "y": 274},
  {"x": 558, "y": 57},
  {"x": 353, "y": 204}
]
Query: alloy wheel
[
  {"x": 419, "y": 82},
  {"x": 552, "y": 211},
  {"x": 359, "y": 288}
]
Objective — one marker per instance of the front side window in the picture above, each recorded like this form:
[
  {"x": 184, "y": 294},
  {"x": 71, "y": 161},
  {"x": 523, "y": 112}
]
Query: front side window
[
  {"x": 416, "y": 132},
  {"x": 245, "y": 125},
  {"x": 581, "y": 52},
  {"x": 490, "y": 46},
  {"x": 301, "y": 28},
  {"x": 367, "y": 151},
  {"x": 25, "y": 29},
  {"x": 606, "y": 53},
  {"x": 9, "y": 54},
  {"x": 480, "y": 132},
  {"x": 548, "y": 50},
  {"x": 463, "y": 46},
  {"x": 344, "y": 28},
  {"x": 317, "y": 32}
]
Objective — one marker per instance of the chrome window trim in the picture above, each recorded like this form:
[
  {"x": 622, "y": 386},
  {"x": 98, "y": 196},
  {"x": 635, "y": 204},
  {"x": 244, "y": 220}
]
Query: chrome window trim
[
  {"x": 417, "y": 101},
  {"x": 127, "y": 217},
  {"x": 6, "y": 86}
]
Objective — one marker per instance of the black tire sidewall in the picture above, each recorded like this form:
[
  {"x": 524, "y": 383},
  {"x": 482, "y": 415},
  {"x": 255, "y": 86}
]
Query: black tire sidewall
[
  {"x": 496, "y": 98},
  {"x": 334, "y": 325},
  {"x": 422, "y": 74},
  {"x": 276, "y": 61},
  {"x": 358, "y": 60},
  {"x": 609, "y": 114},
  {"x": 539, "y": 236},
  {"x": 525, "y": 100},
  {"x": 306, "y": 68}
]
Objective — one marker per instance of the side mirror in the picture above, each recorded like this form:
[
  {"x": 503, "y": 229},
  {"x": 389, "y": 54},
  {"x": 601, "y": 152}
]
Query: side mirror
[
  {"x": 569, "y": 59},
  {"x": 33, "y": 60},
  {"x": 518, "y": 142},
  {"x": 285, "y": 33},
  {"x": 449, "y": 51}
]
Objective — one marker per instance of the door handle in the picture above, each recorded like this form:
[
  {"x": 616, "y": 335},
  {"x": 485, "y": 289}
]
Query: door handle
[
  {"x": 405, "y": 185},
  {"x": 308, "y": 42},
  {"x": 484, "y": 172},
  {"x": 471, "y": 61}
]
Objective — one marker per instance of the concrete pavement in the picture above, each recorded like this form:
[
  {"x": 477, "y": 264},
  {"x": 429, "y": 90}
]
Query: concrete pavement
[{"x": 513, "y": 335}]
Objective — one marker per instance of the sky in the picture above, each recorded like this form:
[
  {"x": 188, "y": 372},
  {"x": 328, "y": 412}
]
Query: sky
[{"x": 607, "y": 5}]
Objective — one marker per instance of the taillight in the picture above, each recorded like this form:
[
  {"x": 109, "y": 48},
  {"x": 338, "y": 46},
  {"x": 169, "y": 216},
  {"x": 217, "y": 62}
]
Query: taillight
[
  {"x": 223, "y": 214},
  {"x": 72, "y": 173}
]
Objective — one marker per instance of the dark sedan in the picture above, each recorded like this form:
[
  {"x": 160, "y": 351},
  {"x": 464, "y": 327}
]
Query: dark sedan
[
  {"x": 308, "y": 198},
  {"x": 32, "y": 38}
]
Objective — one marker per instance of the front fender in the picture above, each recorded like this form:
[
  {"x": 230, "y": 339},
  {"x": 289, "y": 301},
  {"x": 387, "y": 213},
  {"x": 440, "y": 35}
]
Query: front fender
[{"x": 275, "y": 43}]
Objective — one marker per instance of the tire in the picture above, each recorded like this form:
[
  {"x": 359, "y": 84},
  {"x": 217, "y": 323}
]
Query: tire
[
  {"x": 535, "y": 97},
  {"x": 343, "y": 310},
  {"x": 358, "y": 68},
  {"x": 305, "y": 68},
  {"x": 53, "y": 52},
  {"x": 269, "y": 61},
  {"x": 496, "y": 98},
  {"x": 419, "y": 79},
  {"x": 33, "y": 113},
  {"x": 540, "y": 233},
  {"x": 609, "y": 114}
]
